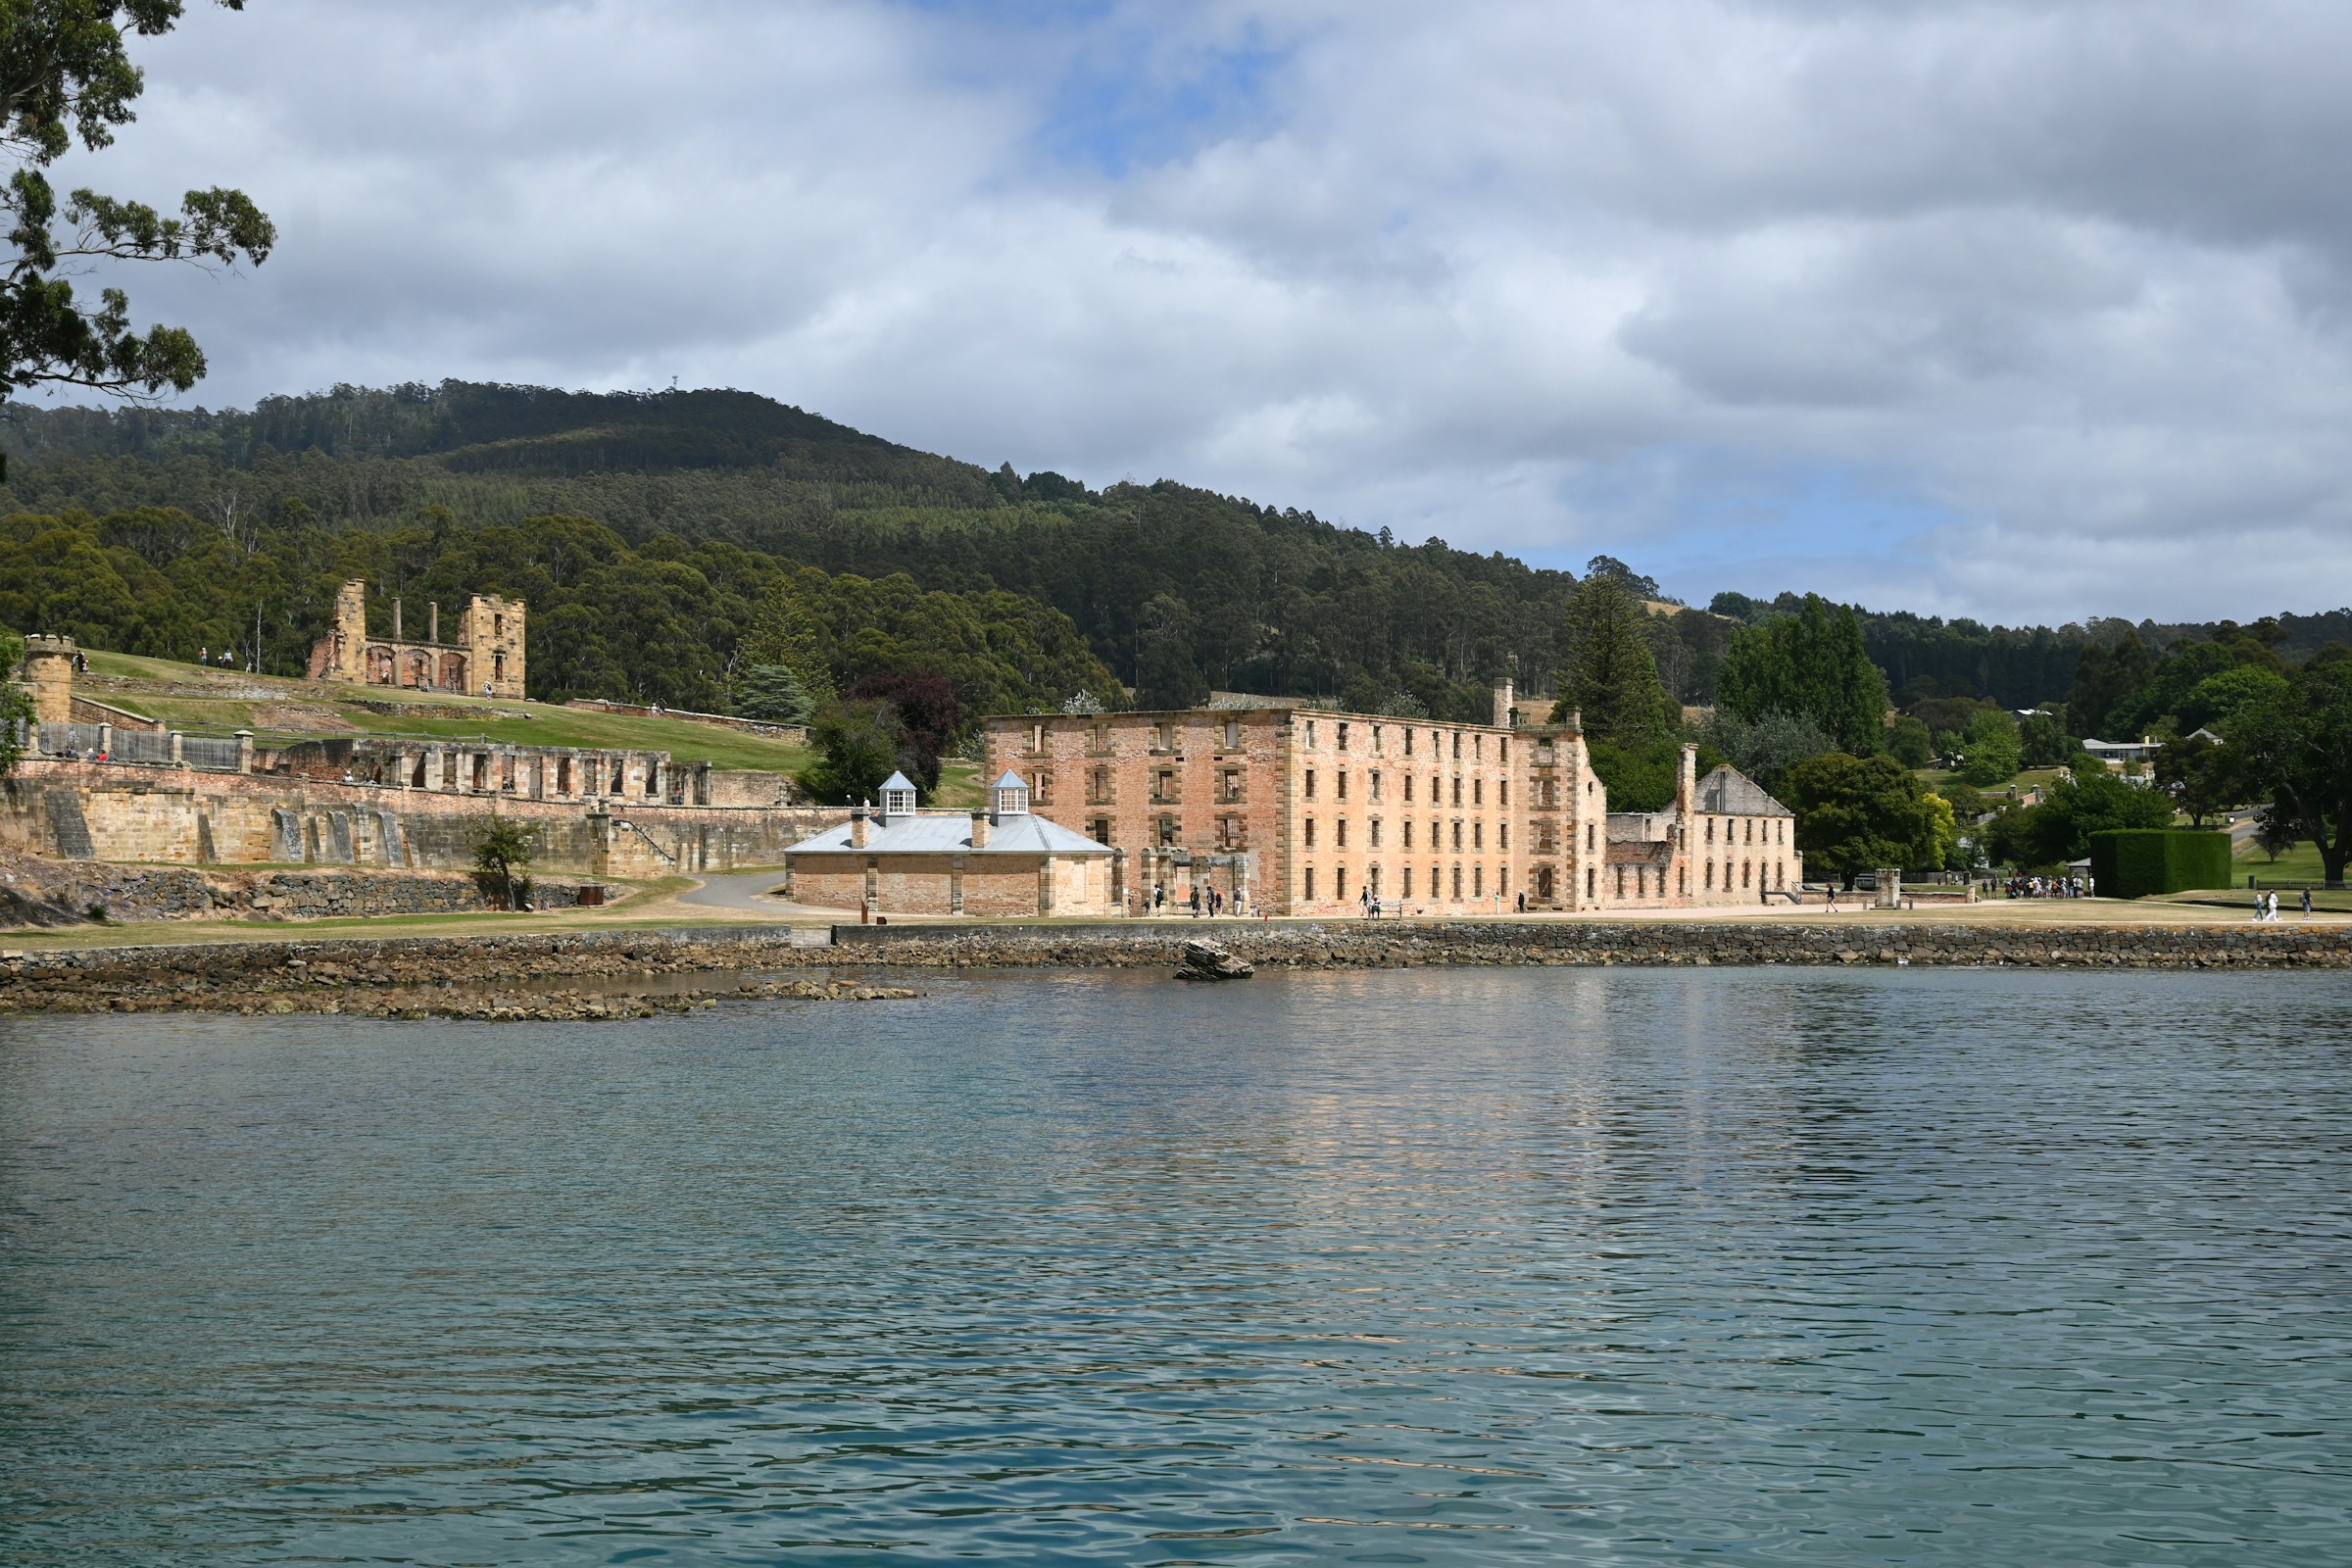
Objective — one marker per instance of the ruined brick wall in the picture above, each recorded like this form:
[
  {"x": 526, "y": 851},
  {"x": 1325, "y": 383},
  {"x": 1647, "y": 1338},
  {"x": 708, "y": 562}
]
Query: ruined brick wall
[
  {"x": 1430, "y": 815},
  {"x": 491, "y": 631}
]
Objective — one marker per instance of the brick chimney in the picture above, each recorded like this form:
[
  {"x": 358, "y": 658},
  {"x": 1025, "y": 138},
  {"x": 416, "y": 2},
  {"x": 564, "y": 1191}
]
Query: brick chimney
[
  {"x": 857, "y": 827},
  {"x": 1504, "y": 703},
  {"x": 979, "y": 830}
]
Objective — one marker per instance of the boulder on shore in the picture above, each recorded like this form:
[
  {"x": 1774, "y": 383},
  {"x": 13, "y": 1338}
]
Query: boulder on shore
[{"x": 1211, "y": 960}]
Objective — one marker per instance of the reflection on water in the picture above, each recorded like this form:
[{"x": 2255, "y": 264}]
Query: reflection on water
[{"x": 1506, "y": 1266}]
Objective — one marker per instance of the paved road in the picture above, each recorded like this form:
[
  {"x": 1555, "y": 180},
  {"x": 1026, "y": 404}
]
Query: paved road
[{"x": 742, "y": 890}]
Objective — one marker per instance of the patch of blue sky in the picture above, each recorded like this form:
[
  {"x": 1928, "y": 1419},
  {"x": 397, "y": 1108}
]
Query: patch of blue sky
[
  {"x": 1119, "y": 89},
  {"x": 1701, "y": 520}
]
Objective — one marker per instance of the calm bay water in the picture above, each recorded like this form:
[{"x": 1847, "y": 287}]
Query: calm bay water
[{"x": 1481, "y": 1267}]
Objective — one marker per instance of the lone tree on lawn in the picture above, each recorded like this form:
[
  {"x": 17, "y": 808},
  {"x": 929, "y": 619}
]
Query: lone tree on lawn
[
  {"x": 505, "y": 847},
  {"x": 2297, "y": 748}
]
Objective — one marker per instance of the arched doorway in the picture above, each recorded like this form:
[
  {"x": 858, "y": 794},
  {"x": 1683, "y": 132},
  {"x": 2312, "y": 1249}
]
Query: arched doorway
[{"x": 1544, "y": 884}]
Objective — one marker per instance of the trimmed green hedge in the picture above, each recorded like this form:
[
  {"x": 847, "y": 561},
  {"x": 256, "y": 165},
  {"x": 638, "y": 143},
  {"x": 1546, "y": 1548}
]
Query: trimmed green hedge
[{"x": 2134, "y": 861}]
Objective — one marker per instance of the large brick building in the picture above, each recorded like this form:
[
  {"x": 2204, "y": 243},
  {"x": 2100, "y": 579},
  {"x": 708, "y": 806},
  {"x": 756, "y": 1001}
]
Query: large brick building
[
  {"x": 1297, "y": 810},
  {"x": 485, "y": 660}
]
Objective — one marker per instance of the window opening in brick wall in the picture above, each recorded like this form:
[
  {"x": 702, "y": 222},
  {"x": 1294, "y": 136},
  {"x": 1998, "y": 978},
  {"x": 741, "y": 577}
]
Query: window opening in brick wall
[
  {"x": 1310, "y": 832},
  {"x": 1310, "y": 783},
  {"x": 1406, "y": 890},
  {"x": 1342, "y": 839},
  {"x": 1478, "y": 792},
  {"x": 1342, "y": 780},
  {"x": 1503, "y": 836},
  {"x": 1311, "y": 883},
  {"x": 1342, "y": 735},
  {"x": 1103, "y": 830}
]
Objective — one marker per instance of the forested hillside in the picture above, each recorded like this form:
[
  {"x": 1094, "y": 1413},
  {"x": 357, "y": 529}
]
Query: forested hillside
[{"x": 645, "y": 529}]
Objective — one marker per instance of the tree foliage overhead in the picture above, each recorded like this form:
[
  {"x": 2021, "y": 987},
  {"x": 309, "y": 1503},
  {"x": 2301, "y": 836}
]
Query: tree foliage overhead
[{"x": 64, "y": 77}]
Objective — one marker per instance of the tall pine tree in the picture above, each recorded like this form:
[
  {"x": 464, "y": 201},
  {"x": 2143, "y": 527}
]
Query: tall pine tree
[{"x": 1611, "y": 677}]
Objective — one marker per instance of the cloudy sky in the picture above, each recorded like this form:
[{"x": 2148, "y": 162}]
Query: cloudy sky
[{"x": 2019, "y": 309}]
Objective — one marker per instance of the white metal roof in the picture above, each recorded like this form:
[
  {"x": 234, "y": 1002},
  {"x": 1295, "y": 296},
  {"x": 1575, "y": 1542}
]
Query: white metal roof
[{"x": 950, "y": 833}]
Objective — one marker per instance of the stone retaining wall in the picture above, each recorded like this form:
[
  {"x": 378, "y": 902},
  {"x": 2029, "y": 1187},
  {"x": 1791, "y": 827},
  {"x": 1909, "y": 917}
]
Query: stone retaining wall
[
  {"x": 231, "y": 975},
  {"x": 1366, "y": 944},
  {"x": 87, "y": 811},
  {"x": 175, "y": 893}
]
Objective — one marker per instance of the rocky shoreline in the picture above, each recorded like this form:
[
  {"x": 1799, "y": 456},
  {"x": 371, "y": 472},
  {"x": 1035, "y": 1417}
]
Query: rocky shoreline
[{"x": 603, "y": 974}]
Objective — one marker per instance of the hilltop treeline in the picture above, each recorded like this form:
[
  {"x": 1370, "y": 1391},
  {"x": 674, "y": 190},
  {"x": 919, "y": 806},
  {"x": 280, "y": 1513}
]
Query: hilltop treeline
[
  {"x": 1174, "y": 590},
  {"x": 667, "y": 621}
]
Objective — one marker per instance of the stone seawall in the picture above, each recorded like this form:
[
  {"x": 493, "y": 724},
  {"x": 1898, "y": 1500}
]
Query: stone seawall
[
  {"x": 373, "y": 974},
  {"x": 1374, "y": 945}
]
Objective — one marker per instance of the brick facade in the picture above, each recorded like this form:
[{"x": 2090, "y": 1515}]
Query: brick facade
[{"x": 1306, "y": 811}]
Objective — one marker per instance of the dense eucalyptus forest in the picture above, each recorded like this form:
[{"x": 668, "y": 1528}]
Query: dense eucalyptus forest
[{"x": 667, "y": 540}]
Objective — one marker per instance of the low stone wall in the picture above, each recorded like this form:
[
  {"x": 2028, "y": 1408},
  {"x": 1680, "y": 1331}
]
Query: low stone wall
[
  {"x": 174, "y": 892},
  {"x": 376, "y": 975},
  {"x": 1375, "y": 945}
]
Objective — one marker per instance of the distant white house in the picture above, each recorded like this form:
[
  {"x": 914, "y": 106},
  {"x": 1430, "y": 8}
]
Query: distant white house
[{"x": 2115, "y": 754}]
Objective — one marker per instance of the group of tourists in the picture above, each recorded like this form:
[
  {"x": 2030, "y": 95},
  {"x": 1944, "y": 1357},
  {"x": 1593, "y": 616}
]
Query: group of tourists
[
  {"x": 205, "y": 655},
  {"x": 1205, "y": 900},
  {"x": 2048, "y": 887},
  {"x": 2266, "y": 906}
]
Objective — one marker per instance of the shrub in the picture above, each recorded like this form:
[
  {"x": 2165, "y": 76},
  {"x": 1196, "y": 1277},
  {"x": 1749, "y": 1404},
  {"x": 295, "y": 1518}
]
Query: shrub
[{"x": 2134, "y": 862}]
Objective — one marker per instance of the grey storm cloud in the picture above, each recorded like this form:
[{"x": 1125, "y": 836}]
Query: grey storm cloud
[{"x": 2015, "y": 310}]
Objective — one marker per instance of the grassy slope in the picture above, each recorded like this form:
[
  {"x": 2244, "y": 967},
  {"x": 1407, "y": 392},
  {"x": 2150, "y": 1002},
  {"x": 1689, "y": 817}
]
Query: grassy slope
[{"x": 175, "y": 691}]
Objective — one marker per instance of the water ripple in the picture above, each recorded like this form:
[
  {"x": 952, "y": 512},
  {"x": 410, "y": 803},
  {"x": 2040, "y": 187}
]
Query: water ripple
[{"x": 1481, "y": 1267}]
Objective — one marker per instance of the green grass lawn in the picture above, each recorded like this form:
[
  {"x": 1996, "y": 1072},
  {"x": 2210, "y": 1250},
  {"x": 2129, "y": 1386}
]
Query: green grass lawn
[
  {"x": 1936, "y": 778},
  {"x": 499, "y": 719},
  {"x": 960, "y": 787},
  {"x": 2298, "y": 864}
]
